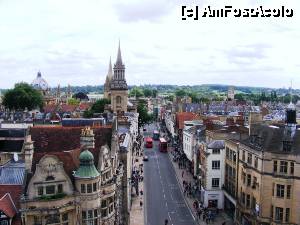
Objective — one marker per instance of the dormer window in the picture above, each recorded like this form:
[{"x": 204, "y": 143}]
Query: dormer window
[{"x": 286, "y": 146}]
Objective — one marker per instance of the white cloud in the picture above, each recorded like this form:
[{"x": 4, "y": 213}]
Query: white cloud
[{"x": 71, "y": 42}]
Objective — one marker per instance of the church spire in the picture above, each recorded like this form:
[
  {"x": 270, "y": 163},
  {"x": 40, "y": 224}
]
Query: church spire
[
  {"x": 110, "y": 72},
  {"x": 119, "y": 57}
]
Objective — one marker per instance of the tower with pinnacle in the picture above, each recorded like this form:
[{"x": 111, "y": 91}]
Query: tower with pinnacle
[
  {"x": 108, "y": 80},
  {"x": 118, "y": 86}
]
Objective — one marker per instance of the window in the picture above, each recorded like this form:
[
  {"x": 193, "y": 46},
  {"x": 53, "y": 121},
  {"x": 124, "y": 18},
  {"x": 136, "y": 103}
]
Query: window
[
  {"x": 243, "y": 198},
  {"x": 248, "y": 201},
  {"x": 287, "y": 215},
  {"x": 119, "y": 99},
  {"x": 94, "y": 187},
  {"x": 60, "y": 188},
  {"x": 227, "y": 153},
  {"x": 243, "y": 177},
  {"x": 288, "y": 191},
  {"x": 40, "y": 190},
  {"x": 216, "y": 165},
  {"x": 292, "y": 168},
  {"x": 89, "y": 188},
  {"x": 65, "y": 219},
  {"x": 243, "y": 156},
  {"x": 279, "y": 214},
  {"x": 280, "y": 191},
  {"x": 82, "y": 188},
  {"x": 215, "y": 182},
  {"x": 273, "y": 189},
  {"x": 286, "y": 146},
  {"x": 275, "y": 166},
  {"x": 216, "y": 151},
  {"x": 50, "y": 190},
  {"x": 249, "y": 158},
  {"x": 254, "y": 182},
  {"x": 234, "y": 156},
  {"x": 253, "y": 203},
  {"x": 283, "y": 166},
  {"x": 248, "y": 179},
  {"x": 90, "y": 217},
  {"x": 255, "y": 161}
]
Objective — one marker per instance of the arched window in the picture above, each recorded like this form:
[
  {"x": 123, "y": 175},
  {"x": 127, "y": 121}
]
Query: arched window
[{"x": 118, "y": 99}]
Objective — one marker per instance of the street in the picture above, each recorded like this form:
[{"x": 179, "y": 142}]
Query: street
[{"x": 163, "y": 197}]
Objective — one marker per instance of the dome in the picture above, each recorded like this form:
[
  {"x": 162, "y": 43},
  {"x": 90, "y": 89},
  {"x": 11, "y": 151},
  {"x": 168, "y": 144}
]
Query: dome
[
  {"x": 87, "y": 167},
  {"x": 39, "y": 83},
  {"x": 86, "y": 156}
]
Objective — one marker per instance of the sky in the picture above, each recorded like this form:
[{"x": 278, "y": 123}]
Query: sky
[{"x": 71, "y": 41}]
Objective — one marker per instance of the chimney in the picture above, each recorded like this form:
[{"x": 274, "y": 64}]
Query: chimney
[
  {"x": 28, "y": 152},
  {"x": 87, "y": 138},
  {"x": 254, "y": 118}
]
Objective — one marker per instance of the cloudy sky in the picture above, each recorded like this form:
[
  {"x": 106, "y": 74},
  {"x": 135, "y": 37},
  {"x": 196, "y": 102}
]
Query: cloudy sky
[{"x": 70, "y": 42}]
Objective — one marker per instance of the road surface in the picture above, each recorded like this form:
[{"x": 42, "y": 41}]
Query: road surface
[{"x": 163, "y": 197}]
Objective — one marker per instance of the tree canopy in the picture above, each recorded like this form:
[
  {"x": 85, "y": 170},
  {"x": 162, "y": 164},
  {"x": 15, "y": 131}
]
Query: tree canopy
[
  {"x": 136, "y": 91},
  {"x": 144, "y": 116},
  {"x": 73, "y": 101},
  {"x": 22, "y": 96},
  {"x": 97, "y": 107}
]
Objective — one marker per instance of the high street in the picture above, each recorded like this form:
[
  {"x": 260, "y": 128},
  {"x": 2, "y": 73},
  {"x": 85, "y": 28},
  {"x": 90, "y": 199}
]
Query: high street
[{"x": 163, "y": 197}]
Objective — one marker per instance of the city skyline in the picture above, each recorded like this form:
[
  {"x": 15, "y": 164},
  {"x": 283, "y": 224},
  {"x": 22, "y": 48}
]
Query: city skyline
[{"x": 72, "y": 45}]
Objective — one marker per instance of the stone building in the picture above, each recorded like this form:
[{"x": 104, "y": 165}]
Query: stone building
[
  {"x": 268, "y": 173},
  {"x": 74, "y": 179}
]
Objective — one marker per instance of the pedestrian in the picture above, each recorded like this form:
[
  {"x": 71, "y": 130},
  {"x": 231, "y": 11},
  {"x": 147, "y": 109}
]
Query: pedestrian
[
  {"x": 141, "y": 192},
  {"x": 141, "y": 204}
]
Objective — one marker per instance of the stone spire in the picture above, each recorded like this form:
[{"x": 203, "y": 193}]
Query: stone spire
[
  {"x": 110, "y": 72},
  {"x": 119, "y": 57}
]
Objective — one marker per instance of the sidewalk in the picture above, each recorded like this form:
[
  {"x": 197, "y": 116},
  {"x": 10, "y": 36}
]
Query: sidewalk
[
  {"x": 222, "y": 217},
  {"x": 137, "y": 212}
]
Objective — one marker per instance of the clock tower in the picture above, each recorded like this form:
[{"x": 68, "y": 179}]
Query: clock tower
[{"x": 118, "y": 86}]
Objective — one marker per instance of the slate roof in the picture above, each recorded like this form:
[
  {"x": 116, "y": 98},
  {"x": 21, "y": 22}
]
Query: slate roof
[
  {"x": 12, "y": 173},
  {"x": 272, "y": 138},
  {"x": 216, "y": 144}
]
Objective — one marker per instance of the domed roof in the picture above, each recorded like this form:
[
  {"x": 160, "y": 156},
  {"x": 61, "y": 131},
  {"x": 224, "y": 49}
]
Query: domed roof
[
  {"x": 87, "y": 167},
  {"x": 86, "y": 156},
  {"x": 40, "y": 83}
]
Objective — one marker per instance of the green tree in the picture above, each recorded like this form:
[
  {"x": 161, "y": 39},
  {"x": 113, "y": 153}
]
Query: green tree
[
  {"x": 97, "y": 107},
  {"x": 147, "y": 92},
  {"x": 138, "y": 92},
  {"x": 154, "y": 93},
  {"x": 22, "y": 96},
  {"x": 73, "y": 101},
  {"x": 170, "y": 98},
  {"x": 144, "y": 116},
  {"x": 180, "y": 92}
]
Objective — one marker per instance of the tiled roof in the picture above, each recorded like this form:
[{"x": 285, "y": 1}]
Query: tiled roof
[
  {"x": 15, "y": 192},
  {"x": 7, "y": 206},
  {"x": 67, "y": 108},
  {"x": 84, "y": 106},
  {"x": 49, "y": 108},
  {"x": 12, "y": 173},
  {"x": 53, "y": 139},
  {"x": 70, "y": 159},
  {"x": 185, "y": 116}
]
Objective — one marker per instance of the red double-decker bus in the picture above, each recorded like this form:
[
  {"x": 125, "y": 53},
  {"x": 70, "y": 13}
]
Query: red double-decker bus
[
  {"x": 163, "y": 145},
  {"x": 148, "y": 142}
]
